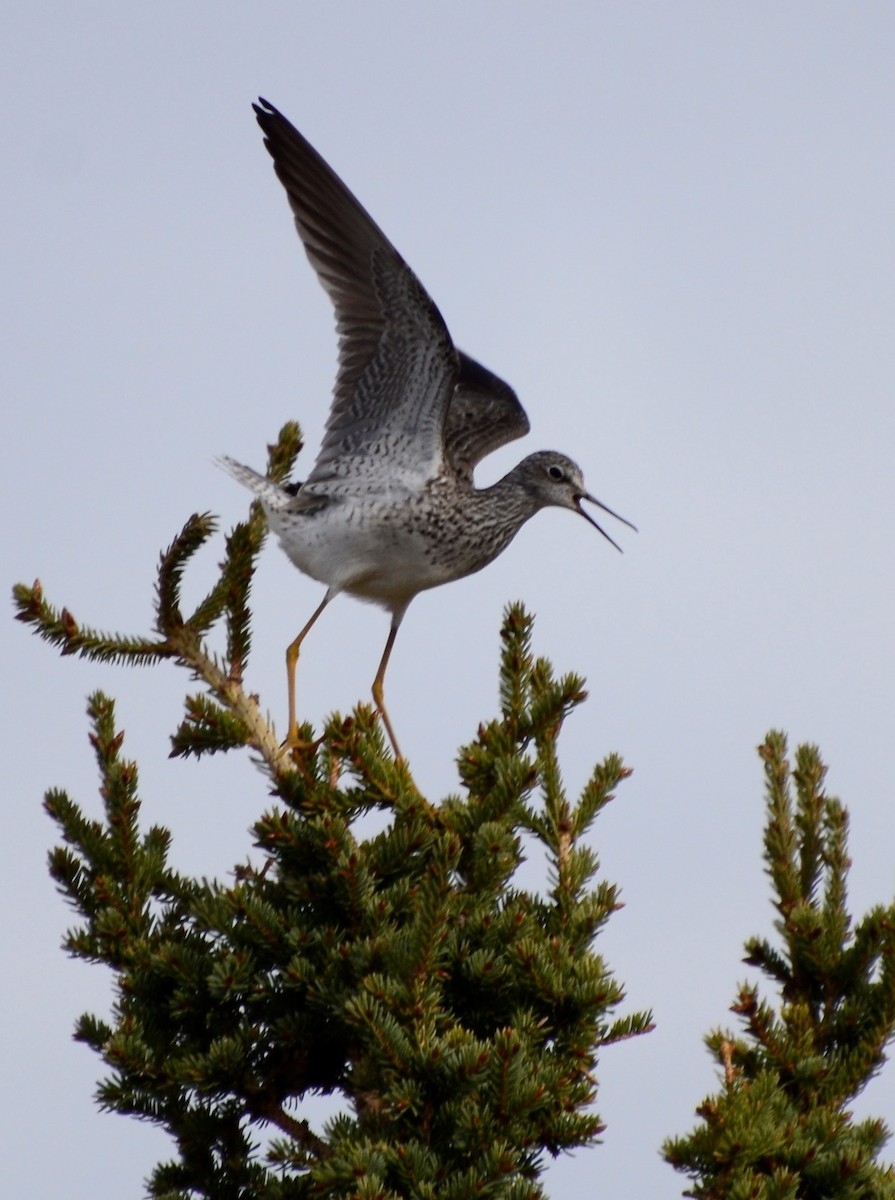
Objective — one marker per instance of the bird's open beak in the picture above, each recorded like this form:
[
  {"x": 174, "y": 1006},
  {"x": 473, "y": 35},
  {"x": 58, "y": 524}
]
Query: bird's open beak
[{"x": 599, "y": 503}]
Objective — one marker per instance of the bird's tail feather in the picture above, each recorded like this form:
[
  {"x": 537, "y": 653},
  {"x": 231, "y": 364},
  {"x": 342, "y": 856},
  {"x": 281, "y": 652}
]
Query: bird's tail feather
[{"x": 274, "y": 496}]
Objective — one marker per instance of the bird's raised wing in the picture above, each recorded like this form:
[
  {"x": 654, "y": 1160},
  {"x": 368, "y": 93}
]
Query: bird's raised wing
[
  {"x": 397, "y": 363},
  {"x": 484, "y": 413}
]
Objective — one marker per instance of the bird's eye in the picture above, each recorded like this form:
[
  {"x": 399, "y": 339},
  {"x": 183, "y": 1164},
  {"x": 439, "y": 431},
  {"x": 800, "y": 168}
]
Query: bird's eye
[{"x": 556, "y": 472}]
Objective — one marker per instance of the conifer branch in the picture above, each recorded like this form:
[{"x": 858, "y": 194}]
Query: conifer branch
[
  {"x": 172, "y": 564},
  {"x": 298, "y": 1130},
  {"x": 237, "y": 719},
  {"x": 780, "y": 1126},
  {"x": 59, "y": 628},
  {"x": 207, "y": 728},
  {"x": 282, "y": 453},
  {"x": 253, "y": 728}
]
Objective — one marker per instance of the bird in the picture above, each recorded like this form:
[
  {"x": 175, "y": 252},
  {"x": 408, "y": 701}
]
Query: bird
[{"x": 390, "y": 507}]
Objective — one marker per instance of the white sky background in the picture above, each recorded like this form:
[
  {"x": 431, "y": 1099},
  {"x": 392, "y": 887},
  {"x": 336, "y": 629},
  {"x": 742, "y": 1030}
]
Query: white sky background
[{"x": 670, "y": 227}]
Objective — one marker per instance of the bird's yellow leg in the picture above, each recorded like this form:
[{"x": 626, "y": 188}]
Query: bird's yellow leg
[
  {"x": 378, "y": 697},
  {"x": 293, "y": 741}
]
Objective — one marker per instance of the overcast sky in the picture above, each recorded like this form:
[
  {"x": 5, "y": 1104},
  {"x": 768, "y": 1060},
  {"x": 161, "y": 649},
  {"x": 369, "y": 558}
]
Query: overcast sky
[{"x": 670, "y": 227}]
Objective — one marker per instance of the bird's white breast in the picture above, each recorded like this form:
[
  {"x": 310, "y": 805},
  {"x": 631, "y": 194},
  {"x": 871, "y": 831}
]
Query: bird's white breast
[{"x": 378, "y": 550}]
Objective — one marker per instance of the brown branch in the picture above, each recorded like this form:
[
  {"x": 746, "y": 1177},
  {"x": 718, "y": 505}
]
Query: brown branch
[
  {"x": 299, "y": 1130},
  {"x": 261, "y": 734}
]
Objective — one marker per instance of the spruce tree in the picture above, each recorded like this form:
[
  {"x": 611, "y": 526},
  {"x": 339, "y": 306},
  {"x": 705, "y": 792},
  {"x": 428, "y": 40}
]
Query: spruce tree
[
  {"x": 456, "y": 1017},
  {"x": 780, "y": 1127}
]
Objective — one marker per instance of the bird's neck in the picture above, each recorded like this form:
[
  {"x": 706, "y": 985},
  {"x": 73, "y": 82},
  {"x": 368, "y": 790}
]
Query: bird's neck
[{"x": 502, "y": 509}]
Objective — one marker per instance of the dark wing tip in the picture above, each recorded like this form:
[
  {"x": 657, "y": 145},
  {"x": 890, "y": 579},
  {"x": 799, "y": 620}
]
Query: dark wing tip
[{"x": 272, "y": 122}]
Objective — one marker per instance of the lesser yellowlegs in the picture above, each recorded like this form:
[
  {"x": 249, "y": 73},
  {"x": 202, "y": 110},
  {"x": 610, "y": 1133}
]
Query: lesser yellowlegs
[{"x": 390, "y": 507}]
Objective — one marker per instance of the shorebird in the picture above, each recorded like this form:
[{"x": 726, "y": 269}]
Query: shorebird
[{"x": 390, "y": 507}]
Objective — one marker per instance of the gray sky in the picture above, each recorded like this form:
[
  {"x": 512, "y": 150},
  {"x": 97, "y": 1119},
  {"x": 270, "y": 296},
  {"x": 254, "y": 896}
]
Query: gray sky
[{"x": 670, "y": 227}]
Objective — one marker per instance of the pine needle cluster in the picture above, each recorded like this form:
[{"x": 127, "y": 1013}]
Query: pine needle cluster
[{"x": 454, "y": 1016}]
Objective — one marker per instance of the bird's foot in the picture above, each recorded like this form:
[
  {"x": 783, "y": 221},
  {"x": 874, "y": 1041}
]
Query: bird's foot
[{"x": 299, "y": 747}]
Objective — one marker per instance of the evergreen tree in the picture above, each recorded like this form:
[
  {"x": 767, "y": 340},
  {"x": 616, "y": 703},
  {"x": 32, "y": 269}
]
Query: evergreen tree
[
  {"x": 780, "y": 1129},
  {"x": 456, "y": 1016}
]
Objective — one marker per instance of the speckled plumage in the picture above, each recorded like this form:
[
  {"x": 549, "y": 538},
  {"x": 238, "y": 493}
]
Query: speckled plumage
[{"x": 390, "y": 508}]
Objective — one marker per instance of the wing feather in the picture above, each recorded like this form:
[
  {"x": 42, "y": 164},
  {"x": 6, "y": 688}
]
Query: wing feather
[
  {"x": 397, "y": 364},
  {"x": 483, "y": 415}
]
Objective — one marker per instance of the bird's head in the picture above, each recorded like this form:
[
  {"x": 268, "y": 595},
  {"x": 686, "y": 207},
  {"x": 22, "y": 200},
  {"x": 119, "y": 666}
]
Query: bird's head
[{"x": 553, "y": 480}]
